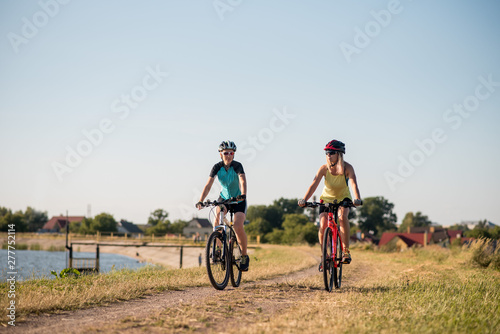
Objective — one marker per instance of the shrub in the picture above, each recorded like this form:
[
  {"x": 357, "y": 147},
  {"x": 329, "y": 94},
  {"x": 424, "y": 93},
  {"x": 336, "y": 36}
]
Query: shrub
[{"x": 486, "y": 252}]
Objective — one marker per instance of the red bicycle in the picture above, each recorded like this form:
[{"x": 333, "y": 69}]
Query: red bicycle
[{"x": 332, "y": 244}]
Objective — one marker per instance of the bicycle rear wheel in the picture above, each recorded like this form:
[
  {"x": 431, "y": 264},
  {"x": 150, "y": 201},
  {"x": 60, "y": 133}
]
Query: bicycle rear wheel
[
  {"x": 217, "y": 261},
  {"x": 235, "y": 253},
  {"x": 328, "y": 259},
  {"x": 337, "y": 264}
]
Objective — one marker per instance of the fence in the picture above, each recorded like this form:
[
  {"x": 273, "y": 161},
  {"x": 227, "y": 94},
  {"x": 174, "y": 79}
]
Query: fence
[{"x": 83, "y": 264}]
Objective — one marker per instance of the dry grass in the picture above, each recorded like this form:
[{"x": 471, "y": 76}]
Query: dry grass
[
  {"x": 50, "y": 295},
  {"x": 429, "y": 290},
  {"x": 423, "y": 291}
]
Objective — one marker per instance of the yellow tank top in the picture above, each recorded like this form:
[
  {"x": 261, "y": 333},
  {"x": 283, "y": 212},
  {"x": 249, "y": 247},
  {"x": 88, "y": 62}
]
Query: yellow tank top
[{"x": 335, "y": 188}]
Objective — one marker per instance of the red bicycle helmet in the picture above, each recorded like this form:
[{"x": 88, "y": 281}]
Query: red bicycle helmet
[{"x": 335, "y": 145}]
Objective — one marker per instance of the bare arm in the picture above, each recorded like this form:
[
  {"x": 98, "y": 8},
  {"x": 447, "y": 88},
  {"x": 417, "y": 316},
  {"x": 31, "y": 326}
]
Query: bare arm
[
  {"x": 243, "y": 184},
  {"x": 207, "y": 188},
  {"x": 353, "y": 181},
  {"x": 317, "y": 179}
]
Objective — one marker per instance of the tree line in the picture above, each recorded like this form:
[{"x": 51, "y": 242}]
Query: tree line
[
  {"x": 282, "y": 222},
  {"x": 30, "y": 220},
  {"x": 33, "y": 220}
]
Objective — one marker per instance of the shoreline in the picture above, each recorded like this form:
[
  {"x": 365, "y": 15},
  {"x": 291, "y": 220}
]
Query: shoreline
[{"x": 167, "y": 257}]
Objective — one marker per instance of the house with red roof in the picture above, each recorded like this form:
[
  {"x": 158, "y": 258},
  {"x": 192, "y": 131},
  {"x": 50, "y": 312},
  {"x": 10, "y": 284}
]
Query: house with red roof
[
  {"x": 405, "y": 240},
  {"x": 421, "y": 237},
  {"x": 57, "y": 224}
]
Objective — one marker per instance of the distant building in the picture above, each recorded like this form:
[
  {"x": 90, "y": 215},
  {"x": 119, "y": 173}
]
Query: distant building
[
  {"x": 58, "y": 224},
  {"x": 405, "y": 240},
  {"x": 422, "y": 236},
  {"x": 471, "y": 224},
  {"x": 128, "y": 228},
  {"x": 438, "y": 234},
  {"x": 198, "y": 227},
  {"x": 364, "y": 238}
]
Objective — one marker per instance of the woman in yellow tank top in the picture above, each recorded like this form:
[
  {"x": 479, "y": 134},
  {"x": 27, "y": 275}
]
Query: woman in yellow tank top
[{"x": 337, "y": 173}]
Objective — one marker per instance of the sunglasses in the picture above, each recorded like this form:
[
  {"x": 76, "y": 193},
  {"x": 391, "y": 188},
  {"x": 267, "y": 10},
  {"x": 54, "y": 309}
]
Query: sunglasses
[
  {"x": 228, "y": 153},
  {"x": 331, "y": 152}
]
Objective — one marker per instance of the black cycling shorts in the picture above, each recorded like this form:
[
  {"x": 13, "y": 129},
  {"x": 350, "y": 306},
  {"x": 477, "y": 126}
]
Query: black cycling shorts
[
  {"x": 240, "y": 207},
  {"x": 324, "y": 209}
]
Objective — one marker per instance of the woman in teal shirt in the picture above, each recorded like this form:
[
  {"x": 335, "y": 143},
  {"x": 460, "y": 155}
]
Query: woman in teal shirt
[{"x": 234, "y": 184}]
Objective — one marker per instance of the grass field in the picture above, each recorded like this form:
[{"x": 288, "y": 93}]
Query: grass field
[{"x": 431, "y": 290}]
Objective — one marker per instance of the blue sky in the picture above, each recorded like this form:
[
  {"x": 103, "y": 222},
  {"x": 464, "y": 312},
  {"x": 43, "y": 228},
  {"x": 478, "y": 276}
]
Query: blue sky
[{"x": 144, "y": 92}]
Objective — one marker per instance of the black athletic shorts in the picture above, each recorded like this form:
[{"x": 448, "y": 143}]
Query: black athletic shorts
[
  {"x": 240, "y": 207},
  {"x": 323, "y": 209}
]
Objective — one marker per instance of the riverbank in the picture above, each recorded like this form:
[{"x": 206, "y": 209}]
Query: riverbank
[{"x": 168, "y": 257}]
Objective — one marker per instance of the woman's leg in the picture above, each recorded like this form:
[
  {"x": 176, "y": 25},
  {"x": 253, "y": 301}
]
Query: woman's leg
[
  {"x": 239, "y": 219},
  {"x": 323, "y": 223},
  {"x": 345, "y": 231}
]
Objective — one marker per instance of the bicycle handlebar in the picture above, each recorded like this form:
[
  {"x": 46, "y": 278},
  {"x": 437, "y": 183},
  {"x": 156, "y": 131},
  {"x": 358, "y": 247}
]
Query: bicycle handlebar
[
  {"x": 345, "y": 204},
  {"x": 232, "y": 200}
]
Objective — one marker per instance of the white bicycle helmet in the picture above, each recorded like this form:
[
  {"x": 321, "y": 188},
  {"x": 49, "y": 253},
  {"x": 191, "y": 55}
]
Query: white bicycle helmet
[{"x": 227, "y": 145}]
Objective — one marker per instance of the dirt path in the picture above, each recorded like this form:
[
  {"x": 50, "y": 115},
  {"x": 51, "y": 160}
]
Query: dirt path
[
  {"x": 198, "y": 309},
  {"x": 94, "y": 318}
]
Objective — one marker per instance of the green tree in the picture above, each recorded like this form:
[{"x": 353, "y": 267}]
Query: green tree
[
  {"x": 16, "y": 219},
  {"x": 459, "y": 227},
  {"x": 35, "y": 219},
  {"x": 4, "y": 211},
  {"x": 74, "y": 227},
  {"x": 298, "y": 229},
  {"x": 414, "y": 220},
  {"x": 275, "y": 236},
  {"x": 407, "y": 222},
  {"x": 158, "y": 216},
  {"x": 273, "y": 214},
  {"x": 104, "y": 222},
  {"x": 159, "y": 223},
  {"x": 259, "y": 226},
  {"x": 495, "y": 232},
  {"x": 177, "y": 227},
  {"x": 376, "y": 215},
  {"x": 288, "y": 205},
  {"x": 421, "y": 220},
  {"x": 161, "y": 228},
  {"x": 5, "y": 216},
  {"x": 310, "y": 232},
  {"x": 478, "y": 233}
]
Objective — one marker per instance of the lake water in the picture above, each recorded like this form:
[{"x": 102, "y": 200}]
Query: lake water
[{"x": 38, "y": 264}]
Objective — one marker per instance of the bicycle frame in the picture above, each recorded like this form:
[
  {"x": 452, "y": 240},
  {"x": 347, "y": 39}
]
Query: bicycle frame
[
  {"x": 335, "y": 227},
  {"x": 225, "y": 229},
  {"x": 220, "y": 248},
  {"x": 332, "y": 267}
]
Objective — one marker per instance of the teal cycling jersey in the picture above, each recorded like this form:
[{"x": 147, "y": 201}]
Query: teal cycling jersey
[{"x": 228, "y": 178}]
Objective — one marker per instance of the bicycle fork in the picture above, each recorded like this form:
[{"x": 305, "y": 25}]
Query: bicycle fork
[
  {"x": 335, "y": 232},
  {"x": 222, "y": 231}
]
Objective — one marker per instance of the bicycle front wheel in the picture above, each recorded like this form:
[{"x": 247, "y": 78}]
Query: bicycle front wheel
[
  {"x": 216, "y": 259},
  {"x": 328, "y": 263},
  {"x": 235, "y": 253},
  {"x": 337, "y": 264}
]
